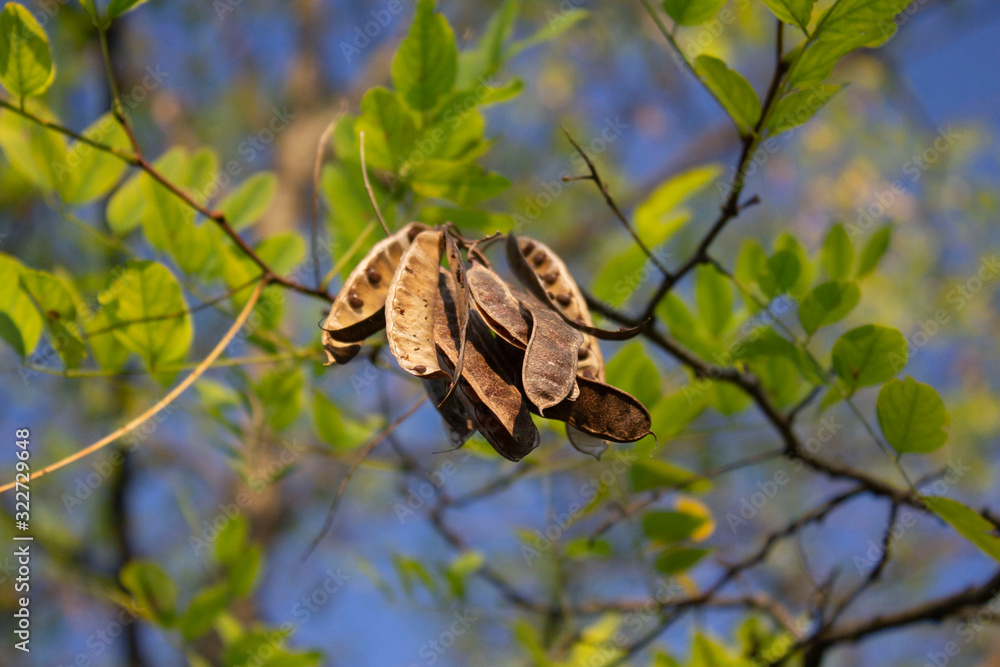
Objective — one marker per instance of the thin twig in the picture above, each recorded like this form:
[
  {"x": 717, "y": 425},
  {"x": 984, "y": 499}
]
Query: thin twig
[{"x": 368, "y": 187}]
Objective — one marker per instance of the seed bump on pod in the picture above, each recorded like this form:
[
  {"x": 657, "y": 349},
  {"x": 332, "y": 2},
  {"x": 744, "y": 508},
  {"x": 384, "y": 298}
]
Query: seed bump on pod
[{"x": 374, "y": 277}]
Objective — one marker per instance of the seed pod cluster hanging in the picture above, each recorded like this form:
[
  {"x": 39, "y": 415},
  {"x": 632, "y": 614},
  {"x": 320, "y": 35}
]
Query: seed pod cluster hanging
[{"x": 489, "y": 353}]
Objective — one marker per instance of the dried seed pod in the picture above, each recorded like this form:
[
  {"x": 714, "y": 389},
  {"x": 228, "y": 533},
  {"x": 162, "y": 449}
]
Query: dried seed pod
[
  {"x": 409, "y": 306},
  {"x": 455, "y": 411},
  {"x": 497, "y": 305},
  {"x": 530, "y": 260},
  {"x": 462, "y": 298},
  {"x": 604, "y": 412},
  {"x": 501, "y": 413},
  {"x": 550, "y": 360},
  {"x": 359, "y": 309}
]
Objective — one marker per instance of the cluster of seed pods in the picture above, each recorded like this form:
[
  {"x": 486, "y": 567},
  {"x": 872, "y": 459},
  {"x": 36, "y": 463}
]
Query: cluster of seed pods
[{"x": 490, "y": 354}]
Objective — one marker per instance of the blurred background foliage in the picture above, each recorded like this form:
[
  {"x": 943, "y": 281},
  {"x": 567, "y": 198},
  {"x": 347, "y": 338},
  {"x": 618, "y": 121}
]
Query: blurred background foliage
[{"x": 195, "y": 523}]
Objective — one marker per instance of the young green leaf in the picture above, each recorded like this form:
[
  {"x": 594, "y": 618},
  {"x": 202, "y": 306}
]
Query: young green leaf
[
  {"x": 796, "y": 12},
  {"x": 152, "y": 589},
  {"x": 967, "y": 522},
  {"x": 827, "y": 304},
  {"x": 390, "y": 129},
  {"x": 86, "y": 173},
  {"x": 149, "y": 314},
  {"x": 680, "y": 559},
  {"x": 869, "y": 355},
  {"x": 715, "y": 298},
  {"x": 423, "y": 69},
  {"x": 646, "y": 474},
  {"x": 838, "y": 253},
  {"x": 461, "y": 182},
  {"x": 56, "y": 305},
  {"x": 21, "y": 324},
  {"x": 118, "y": 7},
  {"x": 733, "y": 92},
  {"x": 670, "y": 526},
  {"x": 780, "y": 273},
  {"x": 799, "y": 106},
  {"x": 248, "y": 202},
  {"x": 26, "y": 68},
  {"x": 912, "y": 416},
  {"x": 632, "y": 371},
  {"x": 692, "y": 12},
  {"x": 874, "y": 250}
]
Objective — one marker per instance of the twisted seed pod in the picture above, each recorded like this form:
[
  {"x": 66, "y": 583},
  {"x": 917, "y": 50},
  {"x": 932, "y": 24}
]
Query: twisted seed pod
[
  {"x": 497, "y": 305},
  {"x": 499, "y": 410},
  {"x": 359, "y": 309},
  {"x": 409, "y": 307},
  {"x": 462, "y": 297},
  {"x": 545, "y": 275}
]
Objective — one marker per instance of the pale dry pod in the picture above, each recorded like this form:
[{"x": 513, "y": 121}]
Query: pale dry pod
[
  {"x": 359, "y": 309},
  {"x": 409, "y": 306}
]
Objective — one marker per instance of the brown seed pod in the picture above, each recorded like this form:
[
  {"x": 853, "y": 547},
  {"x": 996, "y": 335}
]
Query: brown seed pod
[
  {"x": 359, "y": 309},
  {"x": 455, "y": 411},
  {"x": 533, "y": 262},
  {"x": 462, "y": 298},
  {"x": 501, "y": 413},
  {"x": 409, "y": 306},
  {"x": 497, "y": 305},
  {"x": 604, "y": 412},
  {"x": 549, "y": 370}
]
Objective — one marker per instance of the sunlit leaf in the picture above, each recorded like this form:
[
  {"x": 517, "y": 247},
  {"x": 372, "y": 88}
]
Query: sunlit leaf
[
  {"x": 733, "y": 92},
  {"x": 463, "y": 183},
  {"x": 692, "y": 12},
  {"x": 26, "y": 67},
  {"x": 247, "y": 203},
  {"x": 869, "y": 355},
  {"x": 968, "y": 523},
  {"x": 838, "y": 253},
  {"x": 423, "y": 69},
  {"x": 912, "y": 416},
  {"x": 827, "y": 304}
]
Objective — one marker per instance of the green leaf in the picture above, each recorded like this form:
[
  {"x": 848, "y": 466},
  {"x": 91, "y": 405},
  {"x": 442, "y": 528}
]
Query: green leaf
[
  {"x": 692, "y": 12},
  {"x": 584, "y": 547},
  {"x": 647, "y": 474},
  {"x": 86, "y": 173},
  {"x": 57, "y": 307},
  {"x": 838, "y": 253},
  {"x": 556, "y": 26},
  {"x": 671, "y": 414},
  {"x": 461, "y": 182},
  {"x": 733, "y": 92},
  {"x": 632, "y": 371},
  {"x": 846, "y": 26},
  {"x": 152, "y": 589},
  {"x": 390, "y": 130},
  {"x": 874, "y": 250},
  {"x": 246, "y": 204},
  {"x": 88, "y": 6},
  {"x": 790, "y": 243},
  {"x": 869, "y": 355},
  {"x": 343, "y": 434},
  {"x": 124, "y": 211},
  {"x": 780, "y": 273},
  {"x": 669, "y": 526},
  {"x": 796, "y": 12},
  {"x": 150, "y": 315},
  {"x": 675, "y": 561},
  {"x": 26, "y": 67},
  {"x": 827, "y": 304},
  {"x": 244, "y": 571},
  {"x": 31, "y": 149},
  {"x": 487, "y": 57},
  {"x": 502, "y": 93},
  {"x": 656, "y": 218},
  {"x": 423, "y": 69},
  {"x": 715, "y": 298},
  {"x": 21, "y": 324},
  {"x": 281, "y": 393},
  {"x": 912, "y": 416},
  {"x": 204, "y": 609},
  {"x": 232, "y": 540},
  {"x": 118, "y": 7},
  {"x": 968, "y": 523},
  {"x": 799, "y": 106}
]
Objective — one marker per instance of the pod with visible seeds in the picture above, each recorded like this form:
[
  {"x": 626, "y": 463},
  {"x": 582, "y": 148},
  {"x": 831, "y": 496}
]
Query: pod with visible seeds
[
  {"x": 604, "y": 412},
  {"x": 359, "y": 309},
  {"x": 500, "y": 411},
  {"x": 409, "y": 306},
  {"x": 550, "y": 359},
  {"x": 530, "y": 260}
]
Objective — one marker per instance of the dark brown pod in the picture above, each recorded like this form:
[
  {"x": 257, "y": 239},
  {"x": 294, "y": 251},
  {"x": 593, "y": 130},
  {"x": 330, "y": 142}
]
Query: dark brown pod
[
  {"x": 359, "y": 309},
  {"x": 501, "y": 413},
  {"x": 455, "y": 412},
  {"x": 499, "y": 307},
  {"x": 604, "y": 412},
  {"x": 530, "y": 260}
]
